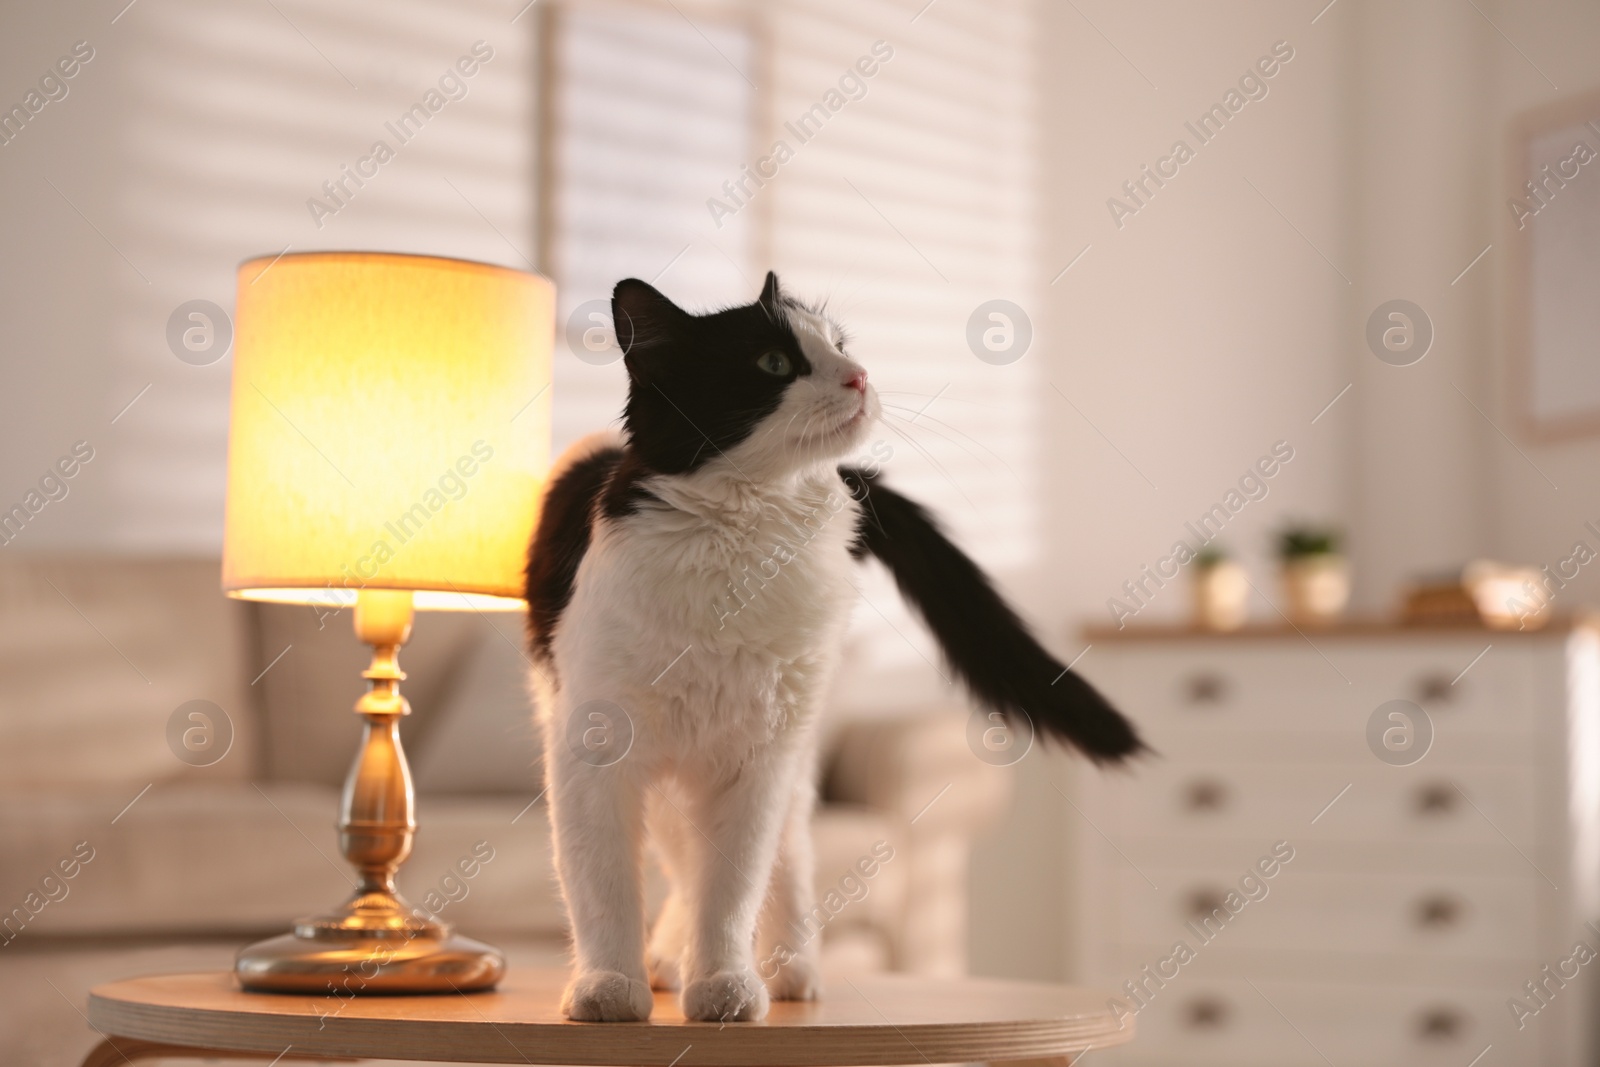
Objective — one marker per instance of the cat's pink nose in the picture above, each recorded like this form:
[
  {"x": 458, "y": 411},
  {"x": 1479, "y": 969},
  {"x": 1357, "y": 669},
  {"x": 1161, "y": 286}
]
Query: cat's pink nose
[{"x": 857, "y": 381}]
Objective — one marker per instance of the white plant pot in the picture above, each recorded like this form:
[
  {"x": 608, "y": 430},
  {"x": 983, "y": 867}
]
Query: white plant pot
[
  {"x": 1315, "y": 588},
  {"x": 1221, "y": 596}
]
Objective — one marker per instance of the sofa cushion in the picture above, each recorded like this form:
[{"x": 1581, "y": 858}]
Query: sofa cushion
[
  {"x": 475, "y": 868},
  {"x": 242, "y": 858},
  {"x": 516, "y": 892},
  {"x": 184, "y": 857},
  {"x": 858, "y": 861},
  {"x": 483, "y": 738},
  {"x": 308, "y": 695},
  {"x": 98, "y": 653}
]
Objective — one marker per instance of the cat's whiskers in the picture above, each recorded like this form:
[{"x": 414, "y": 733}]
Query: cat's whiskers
[
  {"x": 890, "y": 410},
  {"x": 925, "y": 396},
  {"x": 932, "y": 461},
  {"x": 787, "y": 440},
  {"x": 805, "y": 431}
]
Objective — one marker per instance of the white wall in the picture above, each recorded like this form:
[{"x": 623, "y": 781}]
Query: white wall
[
  {"x": 56, "y": 271},
  {"x": 1528, "y": 520},
  {"x": 1190, "y": 340},
  {"x": 1417, "y": 158},
  {"x": 1207, "y": 327}
]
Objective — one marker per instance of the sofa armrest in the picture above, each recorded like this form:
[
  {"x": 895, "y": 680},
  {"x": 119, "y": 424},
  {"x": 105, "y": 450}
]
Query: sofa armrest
[{"x": 919, "y": 771}]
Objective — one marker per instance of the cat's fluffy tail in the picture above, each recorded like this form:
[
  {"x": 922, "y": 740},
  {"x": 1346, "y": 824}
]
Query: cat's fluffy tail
[{"x": 981, "y": 636}]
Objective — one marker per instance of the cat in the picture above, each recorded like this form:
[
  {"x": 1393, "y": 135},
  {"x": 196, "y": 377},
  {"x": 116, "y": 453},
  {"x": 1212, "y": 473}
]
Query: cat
[{"x": 688, "y": 588}]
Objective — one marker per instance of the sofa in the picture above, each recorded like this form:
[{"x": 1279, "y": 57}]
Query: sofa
[{"x": 170, "y": 762}]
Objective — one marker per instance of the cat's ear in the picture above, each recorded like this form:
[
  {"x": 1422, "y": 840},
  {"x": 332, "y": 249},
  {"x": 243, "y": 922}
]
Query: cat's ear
[
  {"x": 642, "y": 316},
  {"x": 770, "y": 293}
]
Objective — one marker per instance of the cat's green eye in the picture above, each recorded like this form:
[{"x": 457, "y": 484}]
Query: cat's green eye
[{"x": 775, "y": 363}]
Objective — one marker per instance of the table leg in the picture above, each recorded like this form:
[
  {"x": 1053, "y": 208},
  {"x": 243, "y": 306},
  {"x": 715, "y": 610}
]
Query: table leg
[{"x": 112, "y": 1052}]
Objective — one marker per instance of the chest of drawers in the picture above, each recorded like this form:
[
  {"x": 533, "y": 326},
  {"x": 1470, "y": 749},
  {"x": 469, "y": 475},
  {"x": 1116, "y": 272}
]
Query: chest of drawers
[{"x": 1355, "y": 846}]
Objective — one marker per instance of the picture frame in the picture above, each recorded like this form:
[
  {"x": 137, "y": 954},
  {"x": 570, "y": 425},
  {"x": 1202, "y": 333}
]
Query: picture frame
[{"x": 1552, "y": 205}]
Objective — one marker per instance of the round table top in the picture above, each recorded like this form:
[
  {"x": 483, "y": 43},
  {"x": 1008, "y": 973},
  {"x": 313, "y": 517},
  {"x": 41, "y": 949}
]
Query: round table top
[{"x": 862, "y": 1020}]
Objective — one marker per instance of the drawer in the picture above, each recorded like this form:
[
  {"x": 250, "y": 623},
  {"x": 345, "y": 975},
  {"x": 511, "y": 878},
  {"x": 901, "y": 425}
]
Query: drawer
[
  {"x": 1426, "y": 803},
  {"x": 1344, "y": 747},
  {"x": 1496, "y": 694},
  {"x": 1275, "y": 684},
  {"x": 1457, "y": 916},
  {"x": 1288, "y": 685},
  {"x": 1198, "y": 1022}
]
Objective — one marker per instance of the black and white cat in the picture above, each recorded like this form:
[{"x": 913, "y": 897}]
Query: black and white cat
[{"x": 693, "y": 577}]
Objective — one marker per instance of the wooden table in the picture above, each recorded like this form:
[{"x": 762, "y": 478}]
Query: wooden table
[{"x": 863, "y": 1021}]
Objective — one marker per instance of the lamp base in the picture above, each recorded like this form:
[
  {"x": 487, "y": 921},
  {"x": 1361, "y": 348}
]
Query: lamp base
[
  {"x": 374, "y": 944},
  {"x": 348, "y": 964}
]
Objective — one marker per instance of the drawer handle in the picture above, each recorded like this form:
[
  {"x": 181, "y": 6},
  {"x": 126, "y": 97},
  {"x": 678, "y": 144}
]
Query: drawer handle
[
  {"x": 1436, "y": 689},
  {"x": 1204, "y": 903},
  {"x": 1206, "y": 1013},
  {"x": 1206, "y": 688},
  {"x": 1439, "y": 912},
  {"x": 1438, "y": 798},
  {"x": 1441, "y": 1024},
  {"x": 1205, "y": 794}
]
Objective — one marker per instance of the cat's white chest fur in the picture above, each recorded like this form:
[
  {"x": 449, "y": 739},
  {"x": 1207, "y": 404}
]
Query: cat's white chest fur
[{"x": 714, "y": 622}]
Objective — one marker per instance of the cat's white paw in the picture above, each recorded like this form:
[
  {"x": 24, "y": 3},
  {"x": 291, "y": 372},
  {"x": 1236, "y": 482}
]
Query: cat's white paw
[
  {"x": 606, "y": 997},
  {"x": 726, "y": 997},
  {"x": 664, "y": 970},
  {"x": 799, "y": 979}
]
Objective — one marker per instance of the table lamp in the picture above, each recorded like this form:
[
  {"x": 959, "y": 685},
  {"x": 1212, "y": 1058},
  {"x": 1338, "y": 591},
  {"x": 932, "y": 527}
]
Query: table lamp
[{"x": 389, "y": 436}]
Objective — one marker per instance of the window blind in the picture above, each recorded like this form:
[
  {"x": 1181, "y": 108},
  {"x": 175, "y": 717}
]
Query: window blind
[
  {"x": 910, "y": 208},
  {"x": 649, "y": 110},
  {"x": 905, "y": 197},
  {"x": 234, "y": 116}
]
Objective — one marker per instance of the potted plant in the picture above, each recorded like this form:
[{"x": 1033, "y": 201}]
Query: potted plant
[
  {"x": 1315, "y": 574},
  {"x": 1221, "y": 590}
]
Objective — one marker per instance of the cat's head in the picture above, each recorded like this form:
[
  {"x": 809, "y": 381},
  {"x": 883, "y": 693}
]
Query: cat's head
[{"x": 763, "y": 390}]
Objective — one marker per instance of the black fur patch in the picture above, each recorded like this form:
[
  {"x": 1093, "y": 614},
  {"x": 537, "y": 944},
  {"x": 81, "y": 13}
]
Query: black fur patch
[
  {"x": 625, "y": 494},
  {"x": 565, "y": 525},
  {"x": 982, "y": 638},
  {"x": 694, "y": 387}
]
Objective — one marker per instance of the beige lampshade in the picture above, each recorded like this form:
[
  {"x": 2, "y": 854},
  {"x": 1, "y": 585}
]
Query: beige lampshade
[{"x": 390, "y": 429}]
